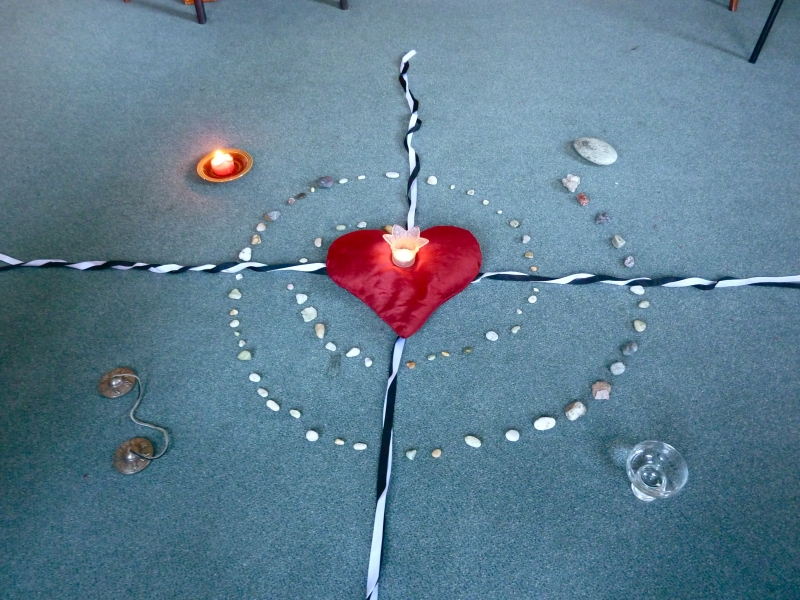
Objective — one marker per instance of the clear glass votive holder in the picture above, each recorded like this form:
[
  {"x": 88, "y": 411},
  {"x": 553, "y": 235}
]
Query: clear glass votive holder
[{"x": 656, "y": 470}]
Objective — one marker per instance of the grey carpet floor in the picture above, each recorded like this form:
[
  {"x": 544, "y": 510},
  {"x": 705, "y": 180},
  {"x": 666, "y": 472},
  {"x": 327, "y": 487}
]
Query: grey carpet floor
[{"x": 106, "y": 108}]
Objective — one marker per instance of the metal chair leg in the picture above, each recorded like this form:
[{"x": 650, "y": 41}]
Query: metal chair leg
[
  {"x": 765, "y": 32},
  {"x": 343, "y": 4}
]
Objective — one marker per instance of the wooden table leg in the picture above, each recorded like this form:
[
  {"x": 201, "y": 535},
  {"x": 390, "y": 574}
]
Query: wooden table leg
[{"x": 733, "y": 5}]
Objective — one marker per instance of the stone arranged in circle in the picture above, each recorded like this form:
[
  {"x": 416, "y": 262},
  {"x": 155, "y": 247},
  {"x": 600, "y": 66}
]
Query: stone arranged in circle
[{"x": 595, "y": 151}]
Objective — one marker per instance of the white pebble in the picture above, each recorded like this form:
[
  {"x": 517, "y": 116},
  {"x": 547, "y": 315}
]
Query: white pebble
[
  {"x": 236, "y": 333},
  {"x": 290, "y": 286},
  {"x": 300, "y": 298},
  {"x": 618, "y": 241},
  {"x": 245, "y": 254},
  {"x": 303, "y": 261},
  {"x": 392, "y": 175},
  {"x": 471, "y": 440},
  {"x": 536, "y": 290},
  {"x": 341, "y": 227},
  {"x": 254, "y": 377},
  {"x": 575, "y": 410},
  {"x": 532, "y": 299},
  {"x": 262, "y": 392},
  {"x": 343, "y": 180},
  {"x": 309, "y": 314},
  {"x": 499, "y": 212},
  {"x": 312, "y": 190},
  {"x": 470, "y": 192},
  {"x": 544, "y": 423},
  {"x": 353, "y": 352},
  {"x": 359, "y": 446},
  {"x": 411, "y": 454},
  {"x": 330, "y": 346},
  {"x": 311, "y": 435},
  {"x": 595, "y": 150},
  {"x": 319, "y": 330},
  {"x": 234, "y": 323},
  {"x": 515, "y": 329},
  {"x": 452, "y": 187},
  {"x": 261, "y": 227},
  {"x": 644, "y": 304},
  {"x": 514, "y": 223},
  {"x": 238, "y": 277},
  {"x": 617, "y": 368},
  {"x": 519, "y": 311},
  {"x": 485, "y": 203},
  {"x": 295, "y": 413},
  {"x": 637, "y": 289},
  {"x": 512, "y": 435},
  {"x": 339, "y": 442},
  {"x": 526, "y": 238},
  {"x": 242, "y": 343},
  {"x": 361, "y": 224},
  {"x": 571, "y": 182},
  {"x": 432, "y": 180},
  {"x": 431, "y": 357},
  {"x": 368, "y": 362},
  {"x": 318, "y": 242},
  {"x": 362, "y": 176},
  {"x": 639, "y": 325},
  {"x": 492, "y": 336},
  {"x": 244, "y": 355},
  {"x": 272, "y": 405},
  {"x": 235, "y": 294}
]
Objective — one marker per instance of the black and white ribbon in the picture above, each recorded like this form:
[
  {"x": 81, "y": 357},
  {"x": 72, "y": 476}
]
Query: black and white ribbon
[
  {"x": 413, "y": 125},
  {"x": 384, "y": 472}
]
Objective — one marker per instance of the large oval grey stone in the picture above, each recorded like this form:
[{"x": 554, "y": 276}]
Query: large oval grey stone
[{"x": 595, "y": 151}]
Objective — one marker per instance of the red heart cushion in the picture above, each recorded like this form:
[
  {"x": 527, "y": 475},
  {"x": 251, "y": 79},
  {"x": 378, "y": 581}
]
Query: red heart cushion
[{"x": 361, "y": 263}]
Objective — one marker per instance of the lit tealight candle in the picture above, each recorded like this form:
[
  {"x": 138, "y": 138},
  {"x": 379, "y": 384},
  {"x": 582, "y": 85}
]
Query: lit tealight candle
[
  {"x": 405, "y": 245},
  {"x": 222, "y": 164}
]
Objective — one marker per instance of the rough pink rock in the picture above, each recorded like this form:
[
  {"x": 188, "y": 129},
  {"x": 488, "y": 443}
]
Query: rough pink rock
[{"x": 601, "y": 390}]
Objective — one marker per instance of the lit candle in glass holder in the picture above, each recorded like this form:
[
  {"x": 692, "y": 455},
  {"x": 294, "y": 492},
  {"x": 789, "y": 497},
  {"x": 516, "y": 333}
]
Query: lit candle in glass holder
[
  {"x": 222, "y": 164},
  {"x": 405, "y": 245}
]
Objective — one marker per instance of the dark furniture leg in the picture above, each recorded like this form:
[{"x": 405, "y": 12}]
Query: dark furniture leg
[
  {"x": 343, "y": 4},
  {"x": 765, "y": 32},
  {"x": 201, "y": 11},
  {"x": 734, "y": 4}
]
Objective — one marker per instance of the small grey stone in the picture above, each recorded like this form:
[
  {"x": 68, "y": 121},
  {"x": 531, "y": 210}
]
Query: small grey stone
[
  {"x": 602, "y": 218},
  {"x": 595, "y": 151},
  {"x": 628, "y": 262},
  {"x": 630, "y": 348},
  {"x": 325, "y": 182},
  {"x": 617, "y": 368}
]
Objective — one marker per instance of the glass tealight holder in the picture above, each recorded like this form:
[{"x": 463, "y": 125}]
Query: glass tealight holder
[{"x": 656, "y": 470}]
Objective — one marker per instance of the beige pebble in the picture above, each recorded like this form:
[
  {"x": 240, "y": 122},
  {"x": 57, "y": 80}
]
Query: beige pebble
[
  {"x": 339, "y": 442},
  {"x": 234, "y": 323},
  {"x": 256, "y": 239},
  {"x": 470, "y": 192},
  {"x": 341, "y": 227},
  {"x": 254, "y": 377},
  {"x": 485, "y": 202},
  {"x": 368, "y": 362},
  {"x": 601, "y": 390},
  {"x": 618, "y": 241},
  {"x": 234, "y": 312},
  {"x": 575, "y": 410},
  {"x": 445, "y": 353},
  {"x": 515, "y": 329},
  {"x": 644, "y": 304},
  {"x": 237, "y": 333},
  {"x": 235, "y": 294},
  {"x": 544, "y": 423},
  {"x": 295, "y": 413},
  {"x": 244, "y": 355},
  {"x": 359, "y": 446},
  {"x": 272, "y": 405},
  {"x": 411, "y": 364},
  {"x": 311, "y": 435},
  {"x": 468, "y": 350},
  {"x": 514, "y": 223},
  {"x": 330, "y": 346},
  {"x": 512, "y": 435},
  {"x": 472, "y": 441},
  {"x": 318, "y": 242},
  {"x": 534, "y": 269},
  {"x": 411, "y": 454},
  {"x": 261, "y": 227},
  {"x": 319, "y": 329},
  {"x": 388, "y": 229},
  {"x": 300, "y": 298},
  {"x": 528, "y": 255},
  {"x": 436, "y": 453},
  {"x": 639, "y": 325},
  {"x": 262, "y": 392}
]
